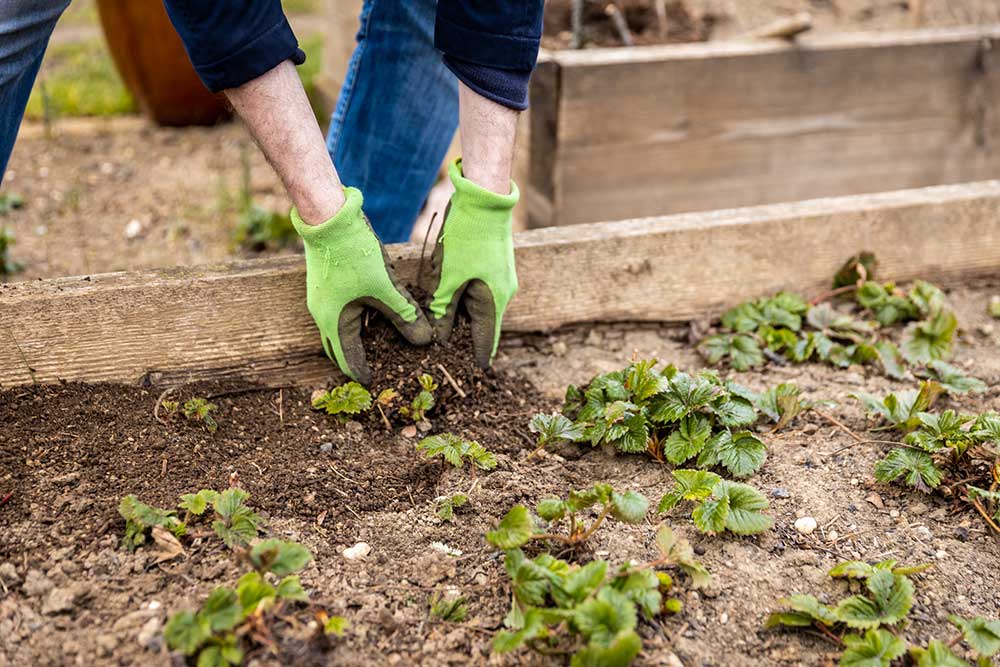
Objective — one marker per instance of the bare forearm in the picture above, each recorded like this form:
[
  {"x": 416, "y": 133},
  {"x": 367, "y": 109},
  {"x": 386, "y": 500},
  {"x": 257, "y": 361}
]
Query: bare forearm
[
  {"x": 277, "y": 113},
  {"x": 488, "y": 133}
]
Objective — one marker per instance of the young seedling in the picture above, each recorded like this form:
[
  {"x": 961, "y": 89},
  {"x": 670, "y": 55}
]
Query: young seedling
[
  {"x": 866, "y": 626},
  {"x": 446, "y": 505},
  {"x": 671, "y": 415},
  {"x": 200, "y": 410},
  {"x": 458, "y": 452},
  {"x": 448, "y": 608},
  {"x": 552, "y": 429},
  {"x": 423, "y": 402},
  {"x": 719, "y": 504},
  {"x": 582, "y": 610},
  {"x": 140, "y": 519},
  {"x": 345, "y": 401},
  {"x": 518, "y": 528},
  {"x": 233, "y": 619},
  {"x": 234, "y": 522}
]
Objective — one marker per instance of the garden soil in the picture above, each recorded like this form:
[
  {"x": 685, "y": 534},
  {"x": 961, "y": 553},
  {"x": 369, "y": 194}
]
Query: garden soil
[{"x": 69, "y": 595}]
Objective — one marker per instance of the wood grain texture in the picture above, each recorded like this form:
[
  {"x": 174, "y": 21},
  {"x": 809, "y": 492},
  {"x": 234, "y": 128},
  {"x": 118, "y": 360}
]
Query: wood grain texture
[
  {"x": 667, "y": 129},
  {"x": 248, "y": 319}
]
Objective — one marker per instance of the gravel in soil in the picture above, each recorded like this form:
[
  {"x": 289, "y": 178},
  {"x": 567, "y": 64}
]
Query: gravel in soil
[{"x": 68, "y": 453}]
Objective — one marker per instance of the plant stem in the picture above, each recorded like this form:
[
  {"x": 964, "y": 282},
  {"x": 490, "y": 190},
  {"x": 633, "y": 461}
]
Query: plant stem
[
  {"x": 597, "y": 524},
  {"x": 979, "y": 508},
  {"x": 839, "y": 424},
  {"x": 826, "y": 631},
  {"x": 832, "y": 293}
]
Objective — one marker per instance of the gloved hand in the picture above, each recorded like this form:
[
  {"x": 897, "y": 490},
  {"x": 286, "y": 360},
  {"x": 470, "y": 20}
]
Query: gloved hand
[
  {"x": 346, "y": 270},
  {"x": 474, "y": 259}
]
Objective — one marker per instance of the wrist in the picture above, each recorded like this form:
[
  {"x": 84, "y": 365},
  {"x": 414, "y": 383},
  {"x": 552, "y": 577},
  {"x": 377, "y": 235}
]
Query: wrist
[{"x": 319, "y": 227}]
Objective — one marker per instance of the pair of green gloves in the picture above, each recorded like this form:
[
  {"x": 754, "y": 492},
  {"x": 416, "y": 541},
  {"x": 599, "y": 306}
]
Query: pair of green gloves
[{"x": 347, "y": 269}]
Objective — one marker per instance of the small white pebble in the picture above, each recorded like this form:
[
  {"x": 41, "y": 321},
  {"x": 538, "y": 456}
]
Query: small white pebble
[
  {"x": 723, "y": 618},
  {"x": 894, "y": 513},
  {"x": 133, "y": 228},
  {"x": 359, "y": 550},
  {"x": 941, "y": 554},
  {"x": 833, "y": 535},
  {"x": 805, "y": 525},
  {"x": 154, "y": 604},
  {"x": 855, "y": 481}
]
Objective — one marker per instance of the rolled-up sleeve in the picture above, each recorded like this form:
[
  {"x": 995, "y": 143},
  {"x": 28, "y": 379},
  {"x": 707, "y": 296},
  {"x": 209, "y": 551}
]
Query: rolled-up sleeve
[
  {"x": 504, "y": 34},
  {"x": 231, "y": 42}
]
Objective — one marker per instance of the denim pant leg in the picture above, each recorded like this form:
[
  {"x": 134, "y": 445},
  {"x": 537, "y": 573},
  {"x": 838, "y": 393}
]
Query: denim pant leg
[
  {"x": 25, "y": 28},
  {"x": 396, "y": 115}
]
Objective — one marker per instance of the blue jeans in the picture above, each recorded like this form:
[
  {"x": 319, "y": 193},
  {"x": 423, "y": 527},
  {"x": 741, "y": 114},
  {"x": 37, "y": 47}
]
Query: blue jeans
[
  {"x": 396, "y": 115},
  {"x": 25, "y": 28}
]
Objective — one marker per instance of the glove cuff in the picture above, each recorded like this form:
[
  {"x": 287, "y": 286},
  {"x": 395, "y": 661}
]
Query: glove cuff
[
  {"x": 471, "y": 195},
  {"x": 334, "y": 228}
]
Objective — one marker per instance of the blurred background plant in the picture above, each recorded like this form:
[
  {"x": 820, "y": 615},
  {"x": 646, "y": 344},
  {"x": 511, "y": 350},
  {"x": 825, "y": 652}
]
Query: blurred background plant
[{"x": 8, "y": 266}]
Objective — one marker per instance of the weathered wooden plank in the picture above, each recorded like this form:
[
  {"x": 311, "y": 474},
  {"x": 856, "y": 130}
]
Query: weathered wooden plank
[
  {"x": 249, "y": 318},
  {"x": 669, "y": 129}
]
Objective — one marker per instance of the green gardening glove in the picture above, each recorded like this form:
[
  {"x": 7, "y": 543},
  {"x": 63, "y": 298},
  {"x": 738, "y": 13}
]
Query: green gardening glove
[
  {"x": 347, "y": 269},
  {"x": 474, "y": 260}
]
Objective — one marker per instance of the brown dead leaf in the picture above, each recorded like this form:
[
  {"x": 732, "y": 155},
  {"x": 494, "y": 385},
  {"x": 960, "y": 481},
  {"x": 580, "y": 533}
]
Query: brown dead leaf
[{"x": 167, "y": 546}]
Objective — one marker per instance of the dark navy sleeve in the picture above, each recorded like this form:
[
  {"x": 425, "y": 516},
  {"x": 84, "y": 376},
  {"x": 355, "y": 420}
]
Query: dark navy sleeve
[
  {"x": 508, "y": 87},
  {"x": 231, "y": 42},
  {"x": 502, "y": 34}
]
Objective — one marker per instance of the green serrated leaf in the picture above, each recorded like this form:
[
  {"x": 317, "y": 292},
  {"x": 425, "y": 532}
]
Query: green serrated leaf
[
  {"x": 746, "y": 506},
  {"x": 688, "y": 485},
  {"x": 554, "y": 428},
  {"x": 937, "y": 654},
  {"x": 710, "y": 515},
  {"x": 254, "y": 593},
  {"x": 290, "y": 588},
  {"x": 197, "y": 503},
  {"x": 514, "y": 530},
  {"x": 620, "y": 651},
  {"x": 629, "y": 507},
  {"x": 551, "y": 509},
  {"x": 877, "y": 648},
  {"x": 982, "y": 635},
  {"x": 222, "y": 609},
  {"x": 336, "y": 625},
  {"x": 688, "y": 439},
  {"x": 953, "y": 379},
  {"x": 742, "y": 454},
  {"x": 930, "y": 339},
  {"x": 916, "y": 468},
  {"x": 186, "y": 632},
  {"x": 279, "y": 557}
]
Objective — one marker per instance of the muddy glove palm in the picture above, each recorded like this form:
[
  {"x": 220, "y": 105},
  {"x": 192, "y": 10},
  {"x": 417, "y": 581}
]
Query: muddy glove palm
[
  {"x": 474, "y": 260},
  {"x": 346, "y": 270}
]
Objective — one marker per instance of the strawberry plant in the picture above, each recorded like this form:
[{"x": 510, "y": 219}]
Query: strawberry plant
[
  {"x": 787, "y": 328},
  {"x": 956, "y": 453},
  {"x": 718, "y": 504},
  {"x": 518, "y": 527},
  {"x": 233, "y": 521},
  {"x": 140, "y": 519},
  {"x": 590, "y": 611},
  {"x": 422, "y": 402},
  {"x": 449, "y": 608},
  {"x": 865, "y": 625},
  {"x": 198, "y": 410},
  {"x": 446, "y": 505},
  {"x": 344, "y": 402},
  {"x": 672, "y": 416},
  {"x": 552, "y": 429},
  {"x": 232, "y": 619},
  {"x": 457, "y": 451}
]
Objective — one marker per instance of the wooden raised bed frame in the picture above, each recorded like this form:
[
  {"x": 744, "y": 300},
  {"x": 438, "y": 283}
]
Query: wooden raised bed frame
[
  {"x": 621, "y": 133},
  {"x": 248, "y": 319}
]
